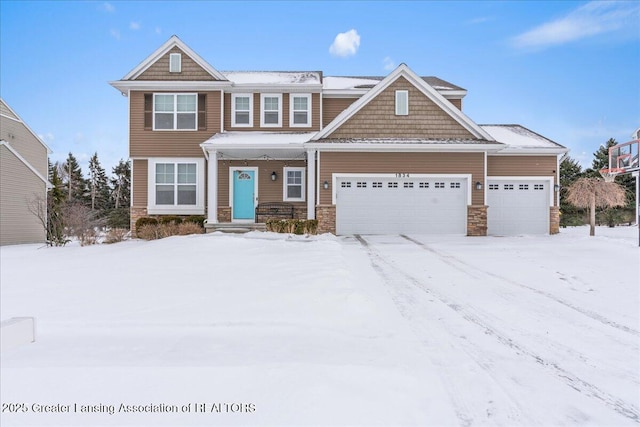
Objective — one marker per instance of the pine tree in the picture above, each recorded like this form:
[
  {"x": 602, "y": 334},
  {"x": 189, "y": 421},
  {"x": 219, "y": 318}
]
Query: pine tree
[
  {"x": 570, "y": 171},
  {"x": 121, "y": 184},
  {"x": 99, "y": 191},
  {"x": 55, "y": 202},
  {"x": 75, "y": 184}
]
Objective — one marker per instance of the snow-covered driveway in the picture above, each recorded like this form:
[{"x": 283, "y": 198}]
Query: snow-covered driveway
[
  {"x": 266, "y": 329},
  {"x": 518, "y": 335}
]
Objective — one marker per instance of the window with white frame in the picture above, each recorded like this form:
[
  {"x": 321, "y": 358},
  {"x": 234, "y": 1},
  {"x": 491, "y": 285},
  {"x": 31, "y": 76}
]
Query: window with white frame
[
  {"x": 242, "y": 114},
  {"x": 294, "y": 184},
  {"x": 300, "y": 110},
  {"x": 176, "y": 184},
  {"x": 271, "y": 106},
  {"x": 175, "y": 111},
  {"x": 402, "y": 102},
  {"x": 175, "y": 63}
]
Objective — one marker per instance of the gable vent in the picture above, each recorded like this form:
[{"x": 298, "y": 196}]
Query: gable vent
[{"x": 175, "y": 63}]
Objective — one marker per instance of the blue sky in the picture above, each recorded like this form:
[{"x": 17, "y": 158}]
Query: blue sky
[{"x": 567, "y": 70}]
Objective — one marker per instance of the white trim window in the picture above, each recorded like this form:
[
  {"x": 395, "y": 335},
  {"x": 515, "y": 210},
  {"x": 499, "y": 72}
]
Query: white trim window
[
  {"x": 299, "y": 110},
  {"x": 175, "y": 111},
  {"x": 293, "y": 183},
  {"x": 176, "y": 186},
  {"x": 242, "y": 110},
  {"x": 271, "y": 110},
  {"x": 402, "y": 103},
  {"x": 175, "y": 63}
]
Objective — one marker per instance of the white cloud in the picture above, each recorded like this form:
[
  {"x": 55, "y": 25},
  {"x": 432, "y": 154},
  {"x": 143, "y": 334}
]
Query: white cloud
[
  {"x": 134, "y": 25},
  {"x": 480, "y": 20},
  {"x": 389, "y": 64},
  {"x": 158, "y": 30},
  {"x": 108, "y": 7},
  {"x": 586, "y": 21},
  {"x": 345, "y": 44},
  {"x": 46, "y": 137},
  {"x": 115, "y": 33}
]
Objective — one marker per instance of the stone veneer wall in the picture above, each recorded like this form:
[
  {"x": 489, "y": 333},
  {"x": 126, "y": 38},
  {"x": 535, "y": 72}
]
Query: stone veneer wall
[
  {"x": 224, "y": 214},
  {"x": 136, "y": 213},
  {"x": 476, "y": 220},
  {"x": 326, "y": 216},
  {"x": 300, "y": 212},
  {"x": 554, "y": 220}
]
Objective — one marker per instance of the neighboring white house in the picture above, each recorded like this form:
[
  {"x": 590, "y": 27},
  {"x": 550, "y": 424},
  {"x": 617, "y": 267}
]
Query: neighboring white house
[{"x": 23, "y": 180}]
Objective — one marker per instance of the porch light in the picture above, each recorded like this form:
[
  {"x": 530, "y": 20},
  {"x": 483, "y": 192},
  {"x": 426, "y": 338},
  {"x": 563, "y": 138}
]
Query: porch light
[
  {"x": 478, "y": 185},
  {"x": 325, "y": 185},
  {"x": 556, "y": 188},
  {"x": 274, "y": 176}
]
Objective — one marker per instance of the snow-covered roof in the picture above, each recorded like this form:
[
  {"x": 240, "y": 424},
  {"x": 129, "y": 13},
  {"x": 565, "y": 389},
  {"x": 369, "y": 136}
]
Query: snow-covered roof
[
  {"x": 273, "y": 77},
  {"x": 367, "y": 82},
  {"x": 258, "y": 145},
  {"x": 519, "y": 138},
  {"x": 405, "y": 141}
]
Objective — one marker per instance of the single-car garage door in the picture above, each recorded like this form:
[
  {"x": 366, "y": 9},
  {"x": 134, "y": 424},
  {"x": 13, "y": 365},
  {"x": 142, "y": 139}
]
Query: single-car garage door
[
  {"x": 389, "y": 205},
  {"x": 517, "y": 207}
]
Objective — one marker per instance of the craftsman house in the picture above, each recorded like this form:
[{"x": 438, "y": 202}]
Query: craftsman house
[
  {"x": 366, "y": 155},
  {"x": 23, "y": 181}
]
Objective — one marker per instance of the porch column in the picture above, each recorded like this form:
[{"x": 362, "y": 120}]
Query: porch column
[
  {"x": 212, "y": 188},
  {"x": 311, "y": 184}
]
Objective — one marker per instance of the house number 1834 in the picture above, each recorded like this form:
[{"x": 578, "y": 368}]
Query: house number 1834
[{"x": 402, "y": 175}]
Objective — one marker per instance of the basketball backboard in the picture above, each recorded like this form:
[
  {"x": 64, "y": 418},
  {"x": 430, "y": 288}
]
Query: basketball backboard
[{"x": 625, "y": 156}]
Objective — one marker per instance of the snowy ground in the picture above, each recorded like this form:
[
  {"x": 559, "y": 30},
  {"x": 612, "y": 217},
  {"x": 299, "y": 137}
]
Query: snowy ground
[{"x": 262, "y": 329}]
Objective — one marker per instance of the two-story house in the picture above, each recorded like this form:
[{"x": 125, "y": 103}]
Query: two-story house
[
  {"x": 392, "y": 154},
  {"x": 23, "y": 181}
]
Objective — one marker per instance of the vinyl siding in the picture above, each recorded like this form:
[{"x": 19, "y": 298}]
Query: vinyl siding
[
  {"x": 159, "y": 70},
  {"x": 377, "y": 119},
  {"x": 523, "y": 166},
  {"x": 457, "y": 103},
  {"x": 18, "y": 186},
  {"x": 268, "y": 191},
  {"x": 140, "y": 177},
  {"x": 4, "y": 110},
  {"x": 150, "y": 143},
  {"x": 315, "y": 115},
  {"x": 331, "y": 107},
  {"x": 23, "y": 141},
  {"x": 427, "y": 163}
]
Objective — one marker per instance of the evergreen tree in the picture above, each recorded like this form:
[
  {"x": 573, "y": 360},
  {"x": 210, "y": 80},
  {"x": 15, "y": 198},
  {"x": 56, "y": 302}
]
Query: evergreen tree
[
  {"x": 55, "y": 202},
  {"x": 99, "y": 191},
  {"x": 75, "y": 184},
  {"x": 570, "y": 171},
  {"x": 121, "y": 185}
]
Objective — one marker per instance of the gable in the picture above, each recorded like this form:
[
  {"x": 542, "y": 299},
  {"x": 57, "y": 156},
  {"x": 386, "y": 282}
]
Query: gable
[
  {"x": 377, "y": 119},
  {"x": 6, "y": 111},
  {"x": 159, "y": 70}
]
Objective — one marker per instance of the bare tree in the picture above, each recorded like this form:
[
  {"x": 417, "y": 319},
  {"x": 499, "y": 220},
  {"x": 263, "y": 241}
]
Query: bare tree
[{"x": 594, "y": 192}]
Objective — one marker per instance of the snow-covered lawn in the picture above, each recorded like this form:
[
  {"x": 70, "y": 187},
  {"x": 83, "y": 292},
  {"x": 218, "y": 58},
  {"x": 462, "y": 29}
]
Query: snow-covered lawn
[{"x": 263, "y": 329}]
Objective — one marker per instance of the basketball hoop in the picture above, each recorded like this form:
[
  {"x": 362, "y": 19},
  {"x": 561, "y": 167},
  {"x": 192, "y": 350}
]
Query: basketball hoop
[{"x": 609, "y": 175}]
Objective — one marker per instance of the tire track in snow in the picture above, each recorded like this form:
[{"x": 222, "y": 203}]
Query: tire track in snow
[
  {"x": 464, "y": 408},
  {"x": 455, "y": 263},
  {"x": 620, "y": 406}
]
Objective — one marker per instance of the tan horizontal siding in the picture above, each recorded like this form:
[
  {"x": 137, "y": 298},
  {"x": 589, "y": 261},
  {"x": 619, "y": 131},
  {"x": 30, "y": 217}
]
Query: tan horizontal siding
[
  {"x": 523, "y": 166},
  {"x": 315, "y": 115},
  {"x": 331, "y": 107},
  {"x": 268, "y": 191},
  {"x": 427, "y": 163},
  {"x": 140, "y": 178},
  {"x": 150, "y": 143},
  {"x": 4, "y": 110},
  {"x": 159, "y": 70},
  {"x": 20, "y": 187},
  {"x": 23, "y": 141},
  {"x": 457, "y": 103},
  {"x": 377, "y": 119}
]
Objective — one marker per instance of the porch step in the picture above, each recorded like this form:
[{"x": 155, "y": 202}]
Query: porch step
[{"x": 233, "y": 227}]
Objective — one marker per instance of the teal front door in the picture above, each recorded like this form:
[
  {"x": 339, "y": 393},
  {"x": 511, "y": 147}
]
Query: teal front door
[{"x": 243, "y": 194}]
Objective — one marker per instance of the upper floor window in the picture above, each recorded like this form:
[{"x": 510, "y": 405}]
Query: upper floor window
[
  {"x": 175, "y": 63},
  {"x": 271, "y": 106},
  {"x": 294, "y": 184},
  {"x": 402, "y": 102},
  {"x": 242, "y": 105},
  {"x": 300, "y": 110},
  {"x": 175, "y": 111}
]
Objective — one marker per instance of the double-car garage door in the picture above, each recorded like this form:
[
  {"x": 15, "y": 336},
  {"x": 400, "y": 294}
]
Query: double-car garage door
[
  {"x": 438, "y": 205},
  {"x": 393, "y": 205}
]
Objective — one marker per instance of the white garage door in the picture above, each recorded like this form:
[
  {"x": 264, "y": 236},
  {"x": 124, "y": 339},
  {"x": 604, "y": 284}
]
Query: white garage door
[
  {"x": 517, "y": 207},
  {"x": 384, "y": 205}
]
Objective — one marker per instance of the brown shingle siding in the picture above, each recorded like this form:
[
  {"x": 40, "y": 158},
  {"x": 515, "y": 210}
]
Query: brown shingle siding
[
  {"x": 190, "y": 69},
  {"x": 425, "y": 120}
]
